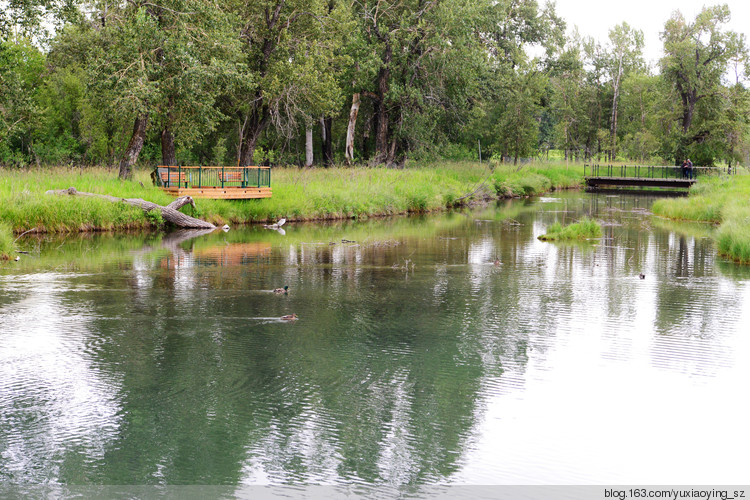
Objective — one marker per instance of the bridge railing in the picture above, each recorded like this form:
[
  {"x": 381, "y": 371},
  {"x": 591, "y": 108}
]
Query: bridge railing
[
  {"x": 223, "y": 177},
  {"x": 651, "y": 172}
]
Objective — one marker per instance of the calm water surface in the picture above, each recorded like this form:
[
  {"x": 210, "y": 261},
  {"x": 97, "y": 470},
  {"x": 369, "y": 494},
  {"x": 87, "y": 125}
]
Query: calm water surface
[{"x": 416, "y": 358}]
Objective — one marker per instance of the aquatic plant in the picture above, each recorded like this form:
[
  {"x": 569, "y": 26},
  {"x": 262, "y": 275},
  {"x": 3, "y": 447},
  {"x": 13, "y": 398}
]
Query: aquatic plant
[{"x": 584, "y": 229}]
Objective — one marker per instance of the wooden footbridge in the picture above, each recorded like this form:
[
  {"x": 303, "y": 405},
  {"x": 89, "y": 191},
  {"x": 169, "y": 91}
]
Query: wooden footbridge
[
  {"x": 229, "y": 183},
  {"x": 665, "y": 177}
]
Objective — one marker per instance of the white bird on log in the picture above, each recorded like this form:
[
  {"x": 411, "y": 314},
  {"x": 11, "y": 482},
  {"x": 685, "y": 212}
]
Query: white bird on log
[{"x": 276, "y": 225}]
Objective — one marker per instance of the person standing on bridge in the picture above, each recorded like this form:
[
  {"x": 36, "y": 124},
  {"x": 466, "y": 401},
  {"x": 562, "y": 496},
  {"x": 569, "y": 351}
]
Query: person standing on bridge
[{"x": 689, "y": 169}]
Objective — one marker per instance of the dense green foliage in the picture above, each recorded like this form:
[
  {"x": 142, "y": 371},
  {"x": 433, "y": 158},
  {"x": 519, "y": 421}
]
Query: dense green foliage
[
  {"x": 191, "y": 82},
  {"x": 299, "y": 194},
  {"x": 582, "y": 230}
]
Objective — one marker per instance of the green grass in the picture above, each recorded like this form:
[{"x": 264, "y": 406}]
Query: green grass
[
  {"x": 733, "y": 237},
  {"x": 298, "y": 194},
  {"x": 6, "y": 241},
  {"x": 722, "y": 201},
  {"x": 582, "y": 230}
]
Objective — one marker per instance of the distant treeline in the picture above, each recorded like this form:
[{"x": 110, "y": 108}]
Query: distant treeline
[{"x": 357, "y": 81}]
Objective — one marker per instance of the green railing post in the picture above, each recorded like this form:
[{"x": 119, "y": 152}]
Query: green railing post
[
  {"x": 200, "y": 176},
  {"x": 222, "y": 176}
]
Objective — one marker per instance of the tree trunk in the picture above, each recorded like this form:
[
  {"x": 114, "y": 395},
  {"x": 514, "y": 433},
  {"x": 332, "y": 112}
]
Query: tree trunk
[
  {"x": 109, "y": 131},
  {"x": 327, "y": 126},
  {"x": 689, "y": 97},
  {"x": 248, "y": 148},
  {"x": 381, "y": 132},
  {"x": 168, "y": 156},
  {"x": 256, "y": 125},
  {"x": 170, "y": 213},
  {"x": 308, "y": 146},
  {"x": 349, "y": 153},
  {"x": 613, "y": 119},
  {"x": 687, "y": 113},
  {"x": 134, "y": 147}
]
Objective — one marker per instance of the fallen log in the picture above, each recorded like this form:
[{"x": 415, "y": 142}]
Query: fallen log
[{"x": 170, "y": 213}]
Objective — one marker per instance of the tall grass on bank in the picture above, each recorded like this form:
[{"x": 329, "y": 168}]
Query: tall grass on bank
[
  {"x": 298, "y": 194},
  {"x": 733, "y": 237},
  {"x": 722, "y": 201},
  {"x": 582, "y": 230},
  {"x": 6, "y": 241}
]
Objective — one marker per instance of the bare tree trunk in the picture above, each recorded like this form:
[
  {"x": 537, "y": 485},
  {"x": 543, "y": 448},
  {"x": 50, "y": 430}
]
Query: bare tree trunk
[
  {"x": 349, "y": 154},
  {"x": 308, "y": 146},
  {"x": 170, "y": 213},
  {"x": 134, "y": 147}
]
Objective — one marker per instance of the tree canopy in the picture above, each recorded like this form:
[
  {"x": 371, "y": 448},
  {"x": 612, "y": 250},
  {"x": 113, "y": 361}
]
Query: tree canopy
[{"x": 382, "y": 82}]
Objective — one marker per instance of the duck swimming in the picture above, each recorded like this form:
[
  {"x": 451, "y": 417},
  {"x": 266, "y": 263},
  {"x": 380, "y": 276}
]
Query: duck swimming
[
  {"x": 281, "y": 290},
  {"x": 289, "y": 317}
]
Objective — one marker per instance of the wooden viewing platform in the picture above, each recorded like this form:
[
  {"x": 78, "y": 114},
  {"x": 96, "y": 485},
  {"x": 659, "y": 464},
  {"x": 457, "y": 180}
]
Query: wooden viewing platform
[
  {"x": 668, "y": 177},
  {"x": 596, "y": 182},
  {"x": 229, "y": 183}
]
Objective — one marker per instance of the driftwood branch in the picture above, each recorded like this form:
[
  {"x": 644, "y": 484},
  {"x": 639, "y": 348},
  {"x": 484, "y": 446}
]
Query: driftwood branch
[{"x": 170, "y": 213}]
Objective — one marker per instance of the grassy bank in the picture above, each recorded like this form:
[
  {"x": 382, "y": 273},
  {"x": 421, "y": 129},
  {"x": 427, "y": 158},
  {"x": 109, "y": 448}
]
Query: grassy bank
[
  {"x": 6, "y": 241},
  {"x": 299, "y": 194},
  {"x": 722, "y": 201},
  {"x": 582, "y": 230}
]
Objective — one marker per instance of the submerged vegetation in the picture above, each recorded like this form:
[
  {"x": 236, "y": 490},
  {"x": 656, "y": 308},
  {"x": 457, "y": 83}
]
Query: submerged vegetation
[
  {"x": 299, "y": 194},
  {"x": 584, "y": 229}
]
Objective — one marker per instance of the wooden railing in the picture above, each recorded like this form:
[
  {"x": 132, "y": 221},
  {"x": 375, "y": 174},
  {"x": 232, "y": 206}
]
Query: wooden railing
[
  {"x": 651, "y": 172},
  {"x": 204, "y": 177}
]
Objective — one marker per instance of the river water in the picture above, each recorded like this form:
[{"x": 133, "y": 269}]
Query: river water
[{"x": 444, "y": 349}]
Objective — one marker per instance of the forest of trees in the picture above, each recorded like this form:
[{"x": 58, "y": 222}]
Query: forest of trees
[{"x": 358, "y": 81}]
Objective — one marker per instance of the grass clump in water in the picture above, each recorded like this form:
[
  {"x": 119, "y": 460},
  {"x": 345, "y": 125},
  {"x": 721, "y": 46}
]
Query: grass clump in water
[{"x": 582, "y": 230}]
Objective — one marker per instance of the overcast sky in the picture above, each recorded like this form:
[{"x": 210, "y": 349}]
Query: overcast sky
[{"x": 596, "y": 17}]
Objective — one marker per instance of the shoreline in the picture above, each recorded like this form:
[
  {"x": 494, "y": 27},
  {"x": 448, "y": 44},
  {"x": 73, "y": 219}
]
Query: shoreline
[
  {"x": 300, "y": 195},
  {"x": 335, "y": 194}
]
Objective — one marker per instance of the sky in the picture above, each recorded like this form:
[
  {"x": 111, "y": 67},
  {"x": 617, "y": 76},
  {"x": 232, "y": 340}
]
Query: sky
[{"x": 596, "y": 17}]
